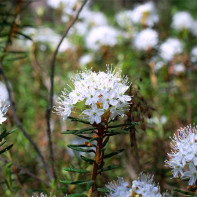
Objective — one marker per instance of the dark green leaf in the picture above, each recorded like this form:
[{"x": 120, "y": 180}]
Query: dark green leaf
[
  {"x": 105, "y": 141},
  {"x": 76, "y": 195},
  {"x": 90, "y": 161},
  {"x": 76, "y": 170},
  {"x": 74, "y": 182},
  {"x": 81, "y": 149},
  {"x": 6, "y": 149},
  {"x": 111, "y": 167},
  {"x": 113, "y": 153}
]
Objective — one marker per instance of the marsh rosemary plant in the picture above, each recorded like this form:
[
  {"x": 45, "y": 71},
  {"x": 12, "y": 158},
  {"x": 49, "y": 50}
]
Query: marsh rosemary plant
[{"x": 98, "y": 99}]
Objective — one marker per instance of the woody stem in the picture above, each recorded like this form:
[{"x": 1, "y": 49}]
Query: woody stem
[{"x": 97, "y": 159}]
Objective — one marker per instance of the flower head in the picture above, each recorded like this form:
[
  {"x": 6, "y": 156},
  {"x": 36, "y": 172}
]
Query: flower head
[
  {"x": 146, "y": 39},
  {"x": 102, "y": 95},
  {"x": 183, "y": 158},
  {"x": 182, "y": 20},
  {"x": 145, "y": 14},
  {"x": 101, "y": 36},
  {"x": 145, "y": 186},
  {"x": 3, "y": 111},
  {"x": 169, "y": 48},
  {"x": 118, "y": 188}
]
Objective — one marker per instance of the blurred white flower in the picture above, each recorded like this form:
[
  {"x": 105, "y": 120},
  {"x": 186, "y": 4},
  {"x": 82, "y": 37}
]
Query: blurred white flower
[
  {"x": 44, "y": 195},
  {"x": 158, "y": 63},
  {"x": 182, "y": 20},
  {"x": 145, "y": 14},
  {"x": 145, "y": 186},
  {"x": 124, "y": 19},
  {"x": 3, "y": 111},
  {"x": 194, "y": 28},
  {"x": 102, "y": 35},
  {"x": 193, "y": 55},
  {"x": 146, "y": 39},
  {"x": 169, "y": 48},
  {"x": 179, "y": 68},
  {"x": 68, "y": 6},
  {"x": 47, "y": 35},
  {"x": 183, "y": 157},
  {"x": 3, "y": 93},
  {"x": 118, "y": 188},
  {"x": 99, "y": 93},
  {"x": 85, "y": 59}
]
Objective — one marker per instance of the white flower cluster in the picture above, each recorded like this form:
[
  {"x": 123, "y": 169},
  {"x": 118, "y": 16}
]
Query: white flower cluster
[
  {"x": 103, "y": 96},
  {"x": 44, "y": 195},
  {"x": 146, "y": 39},
  {"x": 183, "y": 20},
  {"x": 124, "y": 18},
  {"x": 193, "y": 54},
  {"x": 169, "y": 48},
  {"x": 183, "y": 158},
  {"x": 46, "y": 35},
  {"x": 101, "y": 36},
  {"x": 145, "y": 14},
  {"x": 118, "y": 188},
  {"x": 144, "y": 187},
  {"x": 3, "y": 111}
]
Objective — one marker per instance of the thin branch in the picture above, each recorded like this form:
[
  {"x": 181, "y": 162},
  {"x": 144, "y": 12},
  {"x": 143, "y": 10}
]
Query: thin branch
[
  {"x": 25, "y": 170},
  {"x": 132, "y": 135},
  {"x": 52, "y": 68},
  {"x": 18, "y": 123}
]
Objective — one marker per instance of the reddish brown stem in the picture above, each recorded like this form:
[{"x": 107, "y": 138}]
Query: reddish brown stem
[{"x": 98, "y": 158}]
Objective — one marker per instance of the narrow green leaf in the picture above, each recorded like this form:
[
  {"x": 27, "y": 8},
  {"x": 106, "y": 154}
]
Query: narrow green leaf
[
  {"x": 104, "y": 190},
  {"x": 183, "y": 192},
  {"x": 90, "y": 161},
  {"x": 121, "y": 125},
  {"x": 6, "y": 149},
  {"x": 76, "y": 195},
  {"x": 24, "y": 35},
  {"x": 110, "y": 167},
  {"x": 84, "y": 137},
  {"x": 89, "y": 184},
  {"x": 113, "y": 153},
  {"x": 105, "y": 141},
  {"x": 74, "y": 182},
  {"x": 76, "y": 170},
  {"x": 78, "y": 120},
  {"x": 81, "y": 149}
]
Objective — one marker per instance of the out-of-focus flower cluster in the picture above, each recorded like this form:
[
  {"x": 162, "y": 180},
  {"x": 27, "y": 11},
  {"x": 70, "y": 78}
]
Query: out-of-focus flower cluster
[
  {"x": 183, "y": 158},
  {"x": 4, "y": 104},
  {"x": 103, "y": 96},
  {"x": 144, "y": 187}
]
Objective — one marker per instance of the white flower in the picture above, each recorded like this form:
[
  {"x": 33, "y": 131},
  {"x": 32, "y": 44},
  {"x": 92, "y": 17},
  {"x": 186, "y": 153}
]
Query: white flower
[
  {"x": 118, "y": 188},
  {"x": 124, "y": 19},
  {"x": 182, "y": 20},
  {"x": 102, "y": 35},
  {"x": 85, "y": 59},
  {"x": 191, "y": 174},
  {"x": 145, "y": 186},
  {"x": 3, "y": 111},
  {"x": 179, "y": 68},
  {"x": 145, "y": 14},
  {"x": 194, "y": 28},
  {"x": 146, "y": 39},
  {"x": 169, "y": 48},
  {"x": 3, "y": 92},
  {"x": 184, "y": 154},
  {"x": 44, "y": 195},
  {"x": 193, "y": 55},
  {"x": 101, "y": 94}
]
